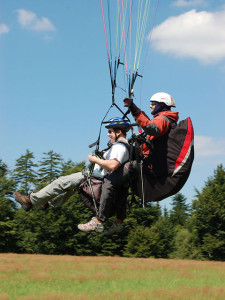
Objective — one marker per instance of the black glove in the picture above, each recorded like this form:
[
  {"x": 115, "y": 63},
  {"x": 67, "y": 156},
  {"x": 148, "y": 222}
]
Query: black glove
[{"x": 128, "y": 102}]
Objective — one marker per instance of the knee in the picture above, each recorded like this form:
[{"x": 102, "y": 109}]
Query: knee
[
  {"x": 107, "y": 184},
  {"x": 59, "y": 179}
]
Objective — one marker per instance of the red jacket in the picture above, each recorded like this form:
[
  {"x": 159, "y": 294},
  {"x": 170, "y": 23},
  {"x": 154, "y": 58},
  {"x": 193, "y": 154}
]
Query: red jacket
[{"x": 158, "y": 126}]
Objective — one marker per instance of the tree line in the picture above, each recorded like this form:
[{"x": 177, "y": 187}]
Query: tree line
[{"x": 186, "y": 231}]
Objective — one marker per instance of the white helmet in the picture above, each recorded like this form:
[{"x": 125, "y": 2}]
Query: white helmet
[{"x": 163, "y": 97}]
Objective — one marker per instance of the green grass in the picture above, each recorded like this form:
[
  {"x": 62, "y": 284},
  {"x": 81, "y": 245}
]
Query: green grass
[{"x": 69, "y": 277}]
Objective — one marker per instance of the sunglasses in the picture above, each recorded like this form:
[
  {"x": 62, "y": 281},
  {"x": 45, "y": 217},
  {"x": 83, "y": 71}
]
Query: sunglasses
[
  {"x": 110, "y": 131},
  {"x": 153, "y": 102}
]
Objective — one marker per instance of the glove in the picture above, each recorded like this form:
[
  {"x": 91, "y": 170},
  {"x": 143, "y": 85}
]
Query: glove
[{"x": 127, "y": 102}]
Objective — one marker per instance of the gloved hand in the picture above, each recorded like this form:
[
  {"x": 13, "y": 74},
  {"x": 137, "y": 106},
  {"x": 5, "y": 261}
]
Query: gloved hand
[{"x": 127, "y": 102}]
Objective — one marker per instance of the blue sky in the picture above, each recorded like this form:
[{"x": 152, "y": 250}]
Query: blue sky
[{"x": 55, "y": 86}]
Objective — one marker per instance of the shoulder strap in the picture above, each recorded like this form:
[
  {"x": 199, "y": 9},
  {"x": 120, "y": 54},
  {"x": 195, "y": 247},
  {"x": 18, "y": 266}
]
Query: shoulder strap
[
  {"x": 173, "y": 123},
  {"x": 100, "y": 153},
  {"x": 125, "y": 144}
]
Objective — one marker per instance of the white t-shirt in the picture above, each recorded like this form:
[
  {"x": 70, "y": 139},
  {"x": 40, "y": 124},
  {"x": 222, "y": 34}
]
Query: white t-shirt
[{"x": 118, "y": 151}]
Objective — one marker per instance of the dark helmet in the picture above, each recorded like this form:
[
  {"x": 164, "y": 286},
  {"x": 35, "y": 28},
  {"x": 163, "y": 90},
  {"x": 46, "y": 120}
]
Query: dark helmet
[{"x": 118, "y": 123}]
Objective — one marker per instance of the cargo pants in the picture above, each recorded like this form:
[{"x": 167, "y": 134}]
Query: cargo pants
[{"x": 57, "y": 192}]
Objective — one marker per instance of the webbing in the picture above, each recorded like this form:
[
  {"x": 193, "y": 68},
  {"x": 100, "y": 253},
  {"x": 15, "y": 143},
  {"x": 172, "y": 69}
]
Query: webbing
[
  {"x": 103, "y": 19},
  {"x": 150, "y": 36},
  {"x": 141, "y": 26},
  {"x": 124, "y": 11}
]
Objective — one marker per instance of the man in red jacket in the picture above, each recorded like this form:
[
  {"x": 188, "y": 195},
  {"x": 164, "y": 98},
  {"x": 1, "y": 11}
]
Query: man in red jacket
[
  {"x": 161, "y": 104},
  {"x": 156, "y": 179}
]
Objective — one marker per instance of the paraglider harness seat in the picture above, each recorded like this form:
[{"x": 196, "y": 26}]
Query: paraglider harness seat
[{"x": 170, "y": 158}]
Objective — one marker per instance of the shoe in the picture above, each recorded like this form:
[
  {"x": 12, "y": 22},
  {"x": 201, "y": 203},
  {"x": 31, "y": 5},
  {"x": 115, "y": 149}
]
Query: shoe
[
  {"x": 23, "y": 200},
  {"x": 92, "y": 225},
  {"x": 44, "y": 206},
  {"x": 115, "y": 229}
]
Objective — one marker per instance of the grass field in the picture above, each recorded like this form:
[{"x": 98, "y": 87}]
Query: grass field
[{"x": 70, "y": 277}]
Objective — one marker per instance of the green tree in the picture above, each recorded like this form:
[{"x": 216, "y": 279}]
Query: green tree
[
  {"x": 180, "y": 210},
  {"x": 139, "y": 216},
  {"x": 208, "y": 221},
  {"x": 184, "y": 246},
  {"x": 155, "y": 241},
  {"x": 24, "y": 173},
  {"x": 6, "y": 184},
  {"x": 52, "y": 231},
  {"x": 50, "y": 167},
  {"x": 7, "y": 209}
]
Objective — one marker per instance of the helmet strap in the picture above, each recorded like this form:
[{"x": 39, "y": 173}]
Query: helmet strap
[{"x": 116, "y": 137}]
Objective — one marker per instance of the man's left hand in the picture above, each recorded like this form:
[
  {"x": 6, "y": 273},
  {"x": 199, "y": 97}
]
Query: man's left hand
[{"x": 127, "y": 102}]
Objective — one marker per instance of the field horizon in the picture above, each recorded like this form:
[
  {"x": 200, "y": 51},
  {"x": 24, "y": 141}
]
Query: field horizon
[{"x": 37, "y": 276}]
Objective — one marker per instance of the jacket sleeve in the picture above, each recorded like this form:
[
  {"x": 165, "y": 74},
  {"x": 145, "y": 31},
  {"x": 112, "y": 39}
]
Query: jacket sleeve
[{"x": 156, "y": 127}]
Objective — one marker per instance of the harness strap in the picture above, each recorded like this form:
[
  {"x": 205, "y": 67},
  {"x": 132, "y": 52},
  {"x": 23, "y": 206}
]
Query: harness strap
[{"x": 87, "y": 175}]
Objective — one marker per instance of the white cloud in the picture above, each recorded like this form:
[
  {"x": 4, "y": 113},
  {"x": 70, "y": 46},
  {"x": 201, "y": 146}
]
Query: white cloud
[
  {"x": 43, "y": 25},
  {"x": 29, "y": 20},
  {"x": 187, "y": 3},
  {"x": 26, "y": 18},
  {"x": 3, "y": 29},
  {"x": 209, "y": 146},
  {"x": 199, "y": 35}
]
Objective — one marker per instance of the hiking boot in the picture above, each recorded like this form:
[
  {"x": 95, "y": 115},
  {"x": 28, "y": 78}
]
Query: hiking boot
[
  {"x": 23, "y": 200},
  {"x": 92, "y": 225},
  {"x": 115, "y": 229}
]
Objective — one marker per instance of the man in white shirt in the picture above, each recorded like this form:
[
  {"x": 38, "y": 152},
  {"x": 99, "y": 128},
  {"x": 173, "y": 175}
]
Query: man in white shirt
[
  {"x": 115, "y": 157},
  {"x": 59, "y": 191}
]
